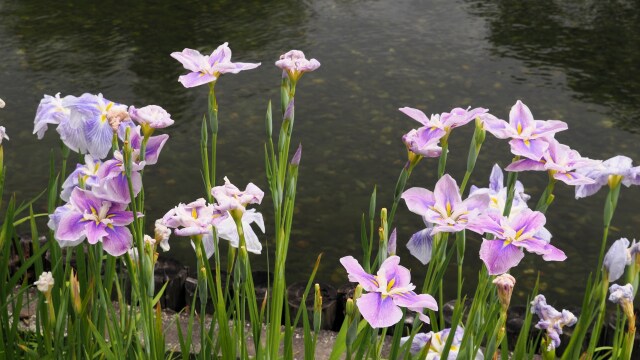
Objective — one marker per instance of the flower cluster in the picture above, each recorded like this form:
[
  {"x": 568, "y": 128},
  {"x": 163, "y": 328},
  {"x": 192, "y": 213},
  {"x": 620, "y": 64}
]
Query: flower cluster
[
  {"x": 97, "y": 192},
  {"x": 199, "y": 218}
]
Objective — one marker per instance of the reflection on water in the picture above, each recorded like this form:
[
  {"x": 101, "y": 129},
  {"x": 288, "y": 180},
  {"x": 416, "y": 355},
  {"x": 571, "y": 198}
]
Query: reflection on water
[{"x": 376, "y": 56}]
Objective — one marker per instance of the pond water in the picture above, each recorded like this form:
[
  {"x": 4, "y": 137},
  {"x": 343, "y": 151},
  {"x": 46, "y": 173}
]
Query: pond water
[{"x": 565, "y": 59}]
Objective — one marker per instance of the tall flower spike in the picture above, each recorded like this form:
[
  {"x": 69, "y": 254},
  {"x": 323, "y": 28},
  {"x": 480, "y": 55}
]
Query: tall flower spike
[
  {"x": 388, "y": 290},
  {"x": 207, "y": 68},
  {"x": 294, "y": 63}
]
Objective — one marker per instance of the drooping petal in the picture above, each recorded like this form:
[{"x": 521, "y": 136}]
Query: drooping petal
[
  {"x": 415, "y": 302},
  {"x": 118, "y": 240},
  {"x": 70, "y": 227},
  {"x": 99, "y": 135},
  {"x": 553, "y": 254},
  {"x": 357, "y": 274},
  {"x": 498, "y": 257},
  {"x": 420, "y": 245},
  {"x": 549, "y": 127},
  {"x": 195, "y": 79},
  {"x": 573, "y": 178},
  {"x": 532, "y": 148},
  {"x": 190, "y": 59},
  {"x": 378, "y": 312},
  {"x": 95, "y": 232},
  {"x": 525, "y": 165},
  {"x": 154, "y": 146}
]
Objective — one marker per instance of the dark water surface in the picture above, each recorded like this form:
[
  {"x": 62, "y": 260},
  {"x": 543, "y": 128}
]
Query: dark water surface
[{"x": 566, "y": 60}]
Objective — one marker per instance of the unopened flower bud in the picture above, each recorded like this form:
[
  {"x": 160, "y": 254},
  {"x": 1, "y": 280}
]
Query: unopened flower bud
[
  {"x": 505, "y": 284},
  {"x": 295, "y": 161},
  {"x": 391, "y": 246},
  {"x": 76, "y": 299},
  {"x": 350, "y": 308},
  {"x": 357, "y": 292},
  {"x": 614, "y": 180}
]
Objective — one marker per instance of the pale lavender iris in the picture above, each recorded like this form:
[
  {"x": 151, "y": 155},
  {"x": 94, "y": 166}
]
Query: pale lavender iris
[
  {"x": 600, "y": 172},
  {"x": 444, "y": 207},
  {"x": 195, "y": 219},
  {"x": 85, "y": 174},
  {"x": 3, "y": 134},
  {"x": 621, "y": 294},
  {"x": 89, "y": 113},
  {"x": 51, "y": 110},
  {"x": 617, "y": 258},
  {"x": 228, "y": 231},
  {"x": 445, "y": 122},
  {"x": 207, "y": 68},
  {"x": 529, "y": 137},
  {"x": 152, "y": 116},
  {"x": 560, "y": 161},
  {"x": 437, "y": 342},
  {"x": 96, "y": 219},
  {"x": 524, "y": 230},
  {"x": 388, "y": 290},
  {"x": 498, "y": 193},
  {"x": 294, "y": 63},
  {"x": 229, "y": 197},
  {"x": 551, "y": 320}
]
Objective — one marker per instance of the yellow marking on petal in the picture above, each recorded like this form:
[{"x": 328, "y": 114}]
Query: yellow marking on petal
[
  {"x": 519, "y": 233},
  {"x": 390, "y": 284},
  {"x": 519, "y": 128},
  {"x": 194, "y": 213},
  {"x": 93, "y": 211},
  {"x": 109, "y": 216},
  {"x": 448, "y": 208},
  {"x": 527, "y": 142},
  {"x": 110, "y": 226}
]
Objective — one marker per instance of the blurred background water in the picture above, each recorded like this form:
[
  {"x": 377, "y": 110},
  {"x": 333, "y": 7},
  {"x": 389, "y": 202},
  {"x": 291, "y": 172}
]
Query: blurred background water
[{"x": 575, "y": 61}]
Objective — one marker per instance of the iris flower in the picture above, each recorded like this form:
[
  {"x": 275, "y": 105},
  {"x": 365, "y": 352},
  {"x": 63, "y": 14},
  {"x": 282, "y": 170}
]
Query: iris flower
[
  {"x": 617, "y": 258},
  {"x": 51, "y": 110},
  {"x": 524, "y": 230},
  {"x": 436, "y": 343},
  {"x": 229, "y": 197},
  {"x": 294, "y": 63},
  {"x": 193, "y": 219},
  {"x": 620, "y": 166},
  {"x": 498, "y": 193},
  {"x": 444, "y": 207},
  {"x": 388, "y": 290},
  {"x": 561, "y": 161},
  {"x": 441, "y": 124},
  {"x": 551, "y": 320},
  {"x": 86, "y": 173},
  {"x": 96, "y": 219},
  {"x": 207, "y": 68},
  {"x": 529, "y": 137}
]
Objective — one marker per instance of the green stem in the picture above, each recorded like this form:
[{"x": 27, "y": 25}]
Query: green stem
[
  {"x": 547, "y": 196},
  {"x": 442, "y": 163},
  {"x": 213, "y": 122}
]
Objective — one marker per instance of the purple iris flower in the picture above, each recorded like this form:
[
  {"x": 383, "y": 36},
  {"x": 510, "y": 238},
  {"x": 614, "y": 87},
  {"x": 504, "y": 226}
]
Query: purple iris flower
[
  {"x": 529, "y": 137},
  {"x": 207, "y": 68},
  {"x": 424, "y": 141},
  {"x": 87, "y": 174},
  {"x": 52, "y": 110},
  {"x": 437, "y": 342},
  {"x": 113, "y": 184},
  {"x": 388, "y": 290},
  {"x": 444, "y": 207},
  {"x": 561, "y": 161},
  {"x": 89, "y": 113},
  {"x": 294, "y": 64},
  {"x": 524, "y": 230},
  {"x": 617, "y": 258},
  {"x": 195, "y": 218},
  {"x": 442, "y": 124},
  {"x": 498, "y": 193},
  {"x": 621, "y": 294},
  {"x": 96, "y": 219},
  {"x": 600, "y": 172},
  {"x": 551, "y": 320}
]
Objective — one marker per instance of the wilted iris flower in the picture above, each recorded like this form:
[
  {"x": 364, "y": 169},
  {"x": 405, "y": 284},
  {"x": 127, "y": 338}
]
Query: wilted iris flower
[
  {"x": 207, "y": 68},
  {"x": 617, "y": 258},
  {"x": 388, "y": 290},
  {"x": 498, "y": 193},
  {"x": 529, "y": 137},
  {"x": 560, "y": 161},
  {"x": 96, "y": 219},
  {"x": 619, "y": 167},
  {"x": 551, "y": 320},
  {"x": 436, "y": 343},
  {"x": 524, "y": 230},
  {"x": 294, "y": 63},
  {"x": 194, "y": 219},
  {"x": 444, "y": 207}
]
